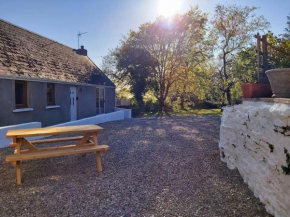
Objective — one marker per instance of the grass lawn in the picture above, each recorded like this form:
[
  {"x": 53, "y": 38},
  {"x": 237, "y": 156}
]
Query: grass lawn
[
  {"x": 187, "y": 112},
  {"x": 197, "y": 112}
]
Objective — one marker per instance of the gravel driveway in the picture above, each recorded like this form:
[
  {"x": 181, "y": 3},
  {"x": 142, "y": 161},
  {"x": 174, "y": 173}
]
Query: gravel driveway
[{"x": 166, "y": 166}]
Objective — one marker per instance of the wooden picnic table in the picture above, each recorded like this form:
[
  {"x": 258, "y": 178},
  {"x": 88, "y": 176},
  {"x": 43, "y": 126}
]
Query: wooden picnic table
[{"x": 26, "y": 150}]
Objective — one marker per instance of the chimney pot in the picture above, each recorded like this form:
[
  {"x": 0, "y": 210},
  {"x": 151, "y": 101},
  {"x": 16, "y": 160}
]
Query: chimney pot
[{"x": 82, "y": 51}]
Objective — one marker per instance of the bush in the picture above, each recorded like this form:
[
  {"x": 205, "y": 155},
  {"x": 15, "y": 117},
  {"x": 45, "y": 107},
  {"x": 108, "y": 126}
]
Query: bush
[
  {"x": 136, "y": 111},
  {"x": 151, "y": 106}
]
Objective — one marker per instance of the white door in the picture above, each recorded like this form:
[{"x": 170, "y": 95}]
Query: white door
[{"x": 73, "y": 103}]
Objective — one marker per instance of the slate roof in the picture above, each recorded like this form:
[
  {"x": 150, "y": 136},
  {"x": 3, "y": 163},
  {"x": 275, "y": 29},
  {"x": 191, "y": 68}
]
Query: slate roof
[{"x": 25, "y": 53}]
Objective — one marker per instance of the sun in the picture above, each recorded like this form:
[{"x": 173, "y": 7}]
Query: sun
[{"x": 168, "y": 8}]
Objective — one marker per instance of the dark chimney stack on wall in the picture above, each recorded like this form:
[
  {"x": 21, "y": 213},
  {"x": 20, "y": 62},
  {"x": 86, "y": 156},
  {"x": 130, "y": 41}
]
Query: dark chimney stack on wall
[{"x": 82, "y": 51}]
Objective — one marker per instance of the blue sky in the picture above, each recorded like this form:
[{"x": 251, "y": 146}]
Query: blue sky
[{"x": 107, "y": 20}]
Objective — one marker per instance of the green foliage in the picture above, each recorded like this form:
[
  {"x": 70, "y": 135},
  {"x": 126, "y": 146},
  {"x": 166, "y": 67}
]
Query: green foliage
[
  {"x": 286, "y": 35},
  {"x": 243, "y": 70},
  {"x": 280, "y": 56},
  {"x": 162, "y": 55},
  {"x": 187, "y": 112},
  {"x": 233, "y": 27},
  {"x": 133, "y": 64},
  {"x": 236, "y": 93},
  {"x": 124, "y": 93},
  {"x": 244, "y": 67},
  {"x": 177, "y": 64}
]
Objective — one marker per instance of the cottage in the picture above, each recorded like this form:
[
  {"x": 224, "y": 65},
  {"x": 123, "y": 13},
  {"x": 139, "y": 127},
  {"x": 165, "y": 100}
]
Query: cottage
[{"x": 45, "y": 81}]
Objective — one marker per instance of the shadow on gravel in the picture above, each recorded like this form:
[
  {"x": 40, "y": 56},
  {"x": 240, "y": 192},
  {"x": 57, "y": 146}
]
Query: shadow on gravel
[{"x": 161, "y": 166}]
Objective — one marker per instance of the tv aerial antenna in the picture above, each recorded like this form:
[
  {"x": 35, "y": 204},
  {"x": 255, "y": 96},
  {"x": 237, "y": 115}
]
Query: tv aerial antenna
[{"x": 79, "y": 35}]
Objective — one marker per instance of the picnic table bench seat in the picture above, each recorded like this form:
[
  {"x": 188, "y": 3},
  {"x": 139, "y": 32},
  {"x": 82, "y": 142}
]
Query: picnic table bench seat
[
  {"x": 84, "y": 144},
  {"x": 56, "y": 152}
]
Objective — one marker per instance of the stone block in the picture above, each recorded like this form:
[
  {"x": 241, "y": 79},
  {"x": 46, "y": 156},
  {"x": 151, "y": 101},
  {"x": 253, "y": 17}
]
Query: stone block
[{"x": 253, "y": 139}]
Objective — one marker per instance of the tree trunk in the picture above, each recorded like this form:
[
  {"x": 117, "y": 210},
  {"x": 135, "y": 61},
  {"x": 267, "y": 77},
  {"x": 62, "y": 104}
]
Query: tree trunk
[
  {"x": 227, "y": 90},
  {"x": 182, "y": 101},
  {"x": 229, "y": 95},
  {"x": 140, "y": 103},
  {"x": 223, "y": 98},
  {"x": 161, "y": 105},
  {"x": 139, "y": 99}
]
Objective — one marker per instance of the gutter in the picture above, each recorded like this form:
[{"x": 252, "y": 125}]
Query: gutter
[{"x": 23, "y": 78}]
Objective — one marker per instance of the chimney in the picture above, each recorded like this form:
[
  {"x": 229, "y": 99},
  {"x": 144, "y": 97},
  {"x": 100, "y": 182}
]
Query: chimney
[{"x": 82, "y": 51}]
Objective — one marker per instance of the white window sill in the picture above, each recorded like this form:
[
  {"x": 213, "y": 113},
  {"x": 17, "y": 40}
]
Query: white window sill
[
  {"x": 52, "y": 106},
  {"x": 22, "y": 110}
]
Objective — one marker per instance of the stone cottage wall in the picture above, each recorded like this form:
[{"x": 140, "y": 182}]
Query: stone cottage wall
[{"x": 255, "y": 139}]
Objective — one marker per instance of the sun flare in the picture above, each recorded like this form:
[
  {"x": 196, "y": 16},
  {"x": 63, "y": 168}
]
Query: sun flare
[{"x": 168, "y": 8}]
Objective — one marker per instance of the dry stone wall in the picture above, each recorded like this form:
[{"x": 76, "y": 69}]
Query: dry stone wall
[{"x": 255, "y": 139}]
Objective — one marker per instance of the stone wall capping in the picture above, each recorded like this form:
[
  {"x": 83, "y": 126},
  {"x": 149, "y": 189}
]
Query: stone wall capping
[{"x": 277, "y": 100}]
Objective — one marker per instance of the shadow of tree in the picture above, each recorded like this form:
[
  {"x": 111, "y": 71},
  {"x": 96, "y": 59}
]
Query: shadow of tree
[{"x": 162, "y": 166}]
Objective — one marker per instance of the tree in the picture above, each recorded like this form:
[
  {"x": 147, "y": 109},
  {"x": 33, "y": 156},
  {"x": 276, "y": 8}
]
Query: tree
[
  {"x": 194, "y": 88},
  {"x": 233, "y": 27},
  {"x": 169, "y": 45},
  {"x": 136, "y": 63},
  {"x": 244, "y": 70},
  {"x": 286, "y": 35},
  {"x": 171, "y": 42},
  {"x": 279, "y": 51},
  {"x": 129, "y": 64}
]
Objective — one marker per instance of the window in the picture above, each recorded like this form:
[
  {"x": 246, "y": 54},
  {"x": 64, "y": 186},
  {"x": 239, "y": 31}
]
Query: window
[
  {"x": 21, "y": 94},
  {"x": 50, "y": 94}
]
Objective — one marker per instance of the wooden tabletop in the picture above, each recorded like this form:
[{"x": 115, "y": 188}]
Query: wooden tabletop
[{"x": 52, "y": 131}]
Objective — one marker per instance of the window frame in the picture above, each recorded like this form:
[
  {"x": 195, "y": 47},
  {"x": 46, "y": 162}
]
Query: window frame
[
  {"x": 54, "y": 95},
  {"x": 25, "y": 94}
]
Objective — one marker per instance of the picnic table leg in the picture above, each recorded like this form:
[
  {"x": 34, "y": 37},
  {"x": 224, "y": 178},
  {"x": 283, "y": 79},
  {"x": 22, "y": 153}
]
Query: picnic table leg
[
  {"x": 18, "y": 163},
  {"x": 99, "y": 163},
  {"x": 18, "y": 168},
  {"x": 15, "y": 151}
]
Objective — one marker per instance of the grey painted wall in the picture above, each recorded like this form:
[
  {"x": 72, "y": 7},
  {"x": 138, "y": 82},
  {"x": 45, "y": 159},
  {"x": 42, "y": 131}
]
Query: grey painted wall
[
  {"x": 110, "y": 100},
  {"x": 37, "y": 101},
  {"x": 86, "y": 103},
  {"x": 6, "y": 102}
]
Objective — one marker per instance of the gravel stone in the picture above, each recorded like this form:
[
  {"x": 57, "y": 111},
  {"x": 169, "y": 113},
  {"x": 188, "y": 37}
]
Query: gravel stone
[{"x": 156, "y": 166}]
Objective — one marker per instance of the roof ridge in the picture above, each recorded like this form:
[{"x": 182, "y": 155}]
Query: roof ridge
[{"x": 36, "y": 34}]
